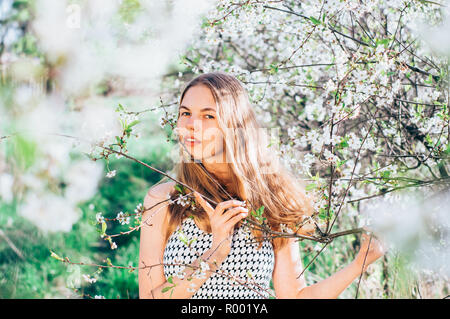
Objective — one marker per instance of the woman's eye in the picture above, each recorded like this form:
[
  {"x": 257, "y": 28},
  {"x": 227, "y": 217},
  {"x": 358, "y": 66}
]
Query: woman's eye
[{"x": 188, "y": 113}]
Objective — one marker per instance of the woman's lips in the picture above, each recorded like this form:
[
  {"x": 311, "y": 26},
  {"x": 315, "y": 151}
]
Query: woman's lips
[{"x": 191, "y": 141}]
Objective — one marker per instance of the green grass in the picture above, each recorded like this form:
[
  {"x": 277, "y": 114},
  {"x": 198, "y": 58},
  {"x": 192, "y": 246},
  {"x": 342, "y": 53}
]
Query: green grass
[{"x": 38, "y": 275}]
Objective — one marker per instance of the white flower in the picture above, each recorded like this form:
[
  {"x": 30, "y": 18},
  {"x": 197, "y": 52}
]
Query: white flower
[
  {"x": 204, "y": 266},
  {"x": 100, "y": 219},
  {"x": 113, "y": 245},
  {"x": 162, "y": 121},
  {"x": 292, "y": 131},
  {"x": 191, "y": 287},
  {"x": 396, "y": 86},
  {"x": 181, "y": 273},
  {"x": 369, "y": 144},
  {"x": 330, "y": 86},
  {"x": 122, "y": 218},
  {"x": 285, "y": 229},
  {"x": 182, "y": 200},
  {"x": 89, "y": 279},
  {"x": 138, "y": 208},
  {"x": 354, "y": 142},
  {"x": 99, "y": 297},
  {"x": 111, "y": 174},
  {"x": 200, "y": 274},
  {"x": 330, "y": 157}
]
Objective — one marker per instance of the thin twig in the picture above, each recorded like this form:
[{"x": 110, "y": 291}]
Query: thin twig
[{"x": 363, "y": 265}]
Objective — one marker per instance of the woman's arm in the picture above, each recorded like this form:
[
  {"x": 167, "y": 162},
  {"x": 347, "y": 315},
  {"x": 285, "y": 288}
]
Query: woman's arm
[
  {"x": 333, "y": 286},
  {"x": 152, "y": 281}
]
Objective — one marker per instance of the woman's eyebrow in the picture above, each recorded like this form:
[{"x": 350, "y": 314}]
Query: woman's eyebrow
[{"x": 202, "y": 110}]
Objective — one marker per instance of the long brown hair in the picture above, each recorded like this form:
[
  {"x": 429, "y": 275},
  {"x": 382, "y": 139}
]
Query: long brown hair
[{"x": 258, "y": 176}]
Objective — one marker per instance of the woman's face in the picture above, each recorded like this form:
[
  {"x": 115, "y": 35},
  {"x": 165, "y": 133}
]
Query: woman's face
[{"x": 197, "y": 124}]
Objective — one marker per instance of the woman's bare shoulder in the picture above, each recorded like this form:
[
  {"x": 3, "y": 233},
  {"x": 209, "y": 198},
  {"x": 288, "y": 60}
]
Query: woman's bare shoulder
[
  {"x": 154, "y": 202},
  {"x": 160, "y": 191}
]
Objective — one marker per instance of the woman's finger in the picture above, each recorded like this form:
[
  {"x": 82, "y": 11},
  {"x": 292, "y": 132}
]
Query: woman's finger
[
  {"x": 234, "y": 220},
  {"x": 222, "y": 206},
  {"x": 206, "y": 206},
  {"x": 233, "y": 211}
]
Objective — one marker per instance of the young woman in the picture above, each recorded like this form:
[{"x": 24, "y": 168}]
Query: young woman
[{"x": 228, "y": 162}]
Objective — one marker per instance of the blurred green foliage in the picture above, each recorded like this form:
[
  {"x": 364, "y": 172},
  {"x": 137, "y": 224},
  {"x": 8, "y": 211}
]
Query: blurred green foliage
[{"x": 27, "y": 269}]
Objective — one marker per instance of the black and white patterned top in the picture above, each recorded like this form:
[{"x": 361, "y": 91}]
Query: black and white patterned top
[{"x": 244, "y": 264}]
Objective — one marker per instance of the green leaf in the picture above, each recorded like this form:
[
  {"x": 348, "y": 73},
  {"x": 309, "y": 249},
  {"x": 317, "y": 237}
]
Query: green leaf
[
  {"x": 316, "y": 177},
  {"x": 429, "y": 80},
  {"x": 179, "y": 188},
  {"x": 447, "y": 151},
  {"x": 104, "y": 227},
  {"x": 192, "y": 241},
  {"x": 120, "y": 108},
  {"x": 183, "y": 238},
  {"x": 170, "y": 279},
  {"x": 340, "y": 163},
  {"x": 53, "y": 255},
  {"x": 23, "y": 151},
  {"x": 314, "y": 20},
  {"x": 258, "y": 213},
  {"x": 311, "y": 186},
  {"x": 383, "y": 42},
  {"x": 127, "y": 131},
  {"x": 133, "y": 123},
  {"x": 322, "y": 213},
  {"x": 344, "y": 144},
  {"x": 273, "y": 68},
  {"x": 166, "y": 289}
]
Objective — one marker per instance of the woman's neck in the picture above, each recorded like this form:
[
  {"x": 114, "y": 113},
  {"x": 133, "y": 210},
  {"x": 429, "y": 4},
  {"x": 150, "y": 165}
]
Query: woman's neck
[{"x": 220, "y": 171}]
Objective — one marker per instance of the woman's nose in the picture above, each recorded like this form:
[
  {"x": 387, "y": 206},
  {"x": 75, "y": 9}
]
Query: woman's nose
[{"x": 194, "y": 123}]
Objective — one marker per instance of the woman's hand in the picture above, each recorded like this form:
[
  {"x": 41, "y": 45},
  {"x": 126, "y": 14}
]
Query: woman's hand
[
  {"x": 222, "y": 220},
  {"x": 371, "y": 249}
]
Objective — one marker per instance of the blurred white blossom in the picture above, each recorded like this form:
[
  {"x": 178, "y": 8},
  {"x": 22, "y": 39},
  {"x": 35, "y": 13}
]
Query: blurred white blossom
[
  {"x": 437, "y": 36},
  {"x": 49, "y": 212},
  {"x": 111, "y": 174},
  {"x": 6, "y": 187},
  {"x": 416, "y": 224},
  {"x": 89, "y": 279},
  {"x": 82, "y": 178},
  {"x": 99, "y": 46}
]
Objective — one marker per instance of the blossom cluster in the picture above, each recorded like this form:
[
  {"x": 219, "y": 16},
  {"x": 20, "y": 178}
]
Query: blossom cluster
[{"x": 360, "y": 105}]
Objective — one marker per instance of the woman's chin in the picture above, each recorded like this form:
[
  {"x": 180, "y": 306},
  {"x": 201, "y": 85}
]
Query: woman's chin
[
  {"x": 199, "y": 156},
  {"x": 196, "y": 157}
]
